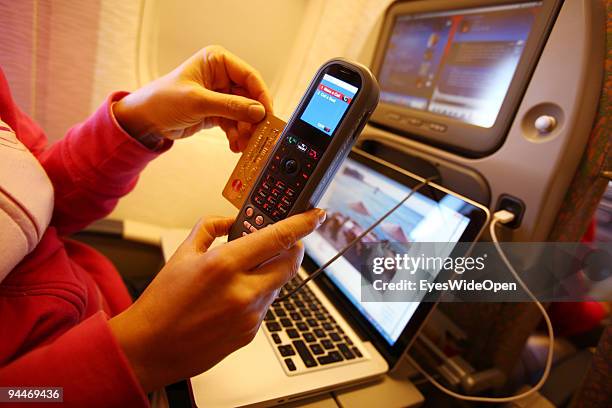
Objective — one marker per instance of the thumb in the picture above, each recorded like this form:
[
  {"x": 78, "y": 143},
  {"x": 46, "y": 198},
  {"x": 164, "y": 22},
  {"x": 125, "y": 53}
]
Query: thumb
[
  {"x": 233, "y": 107},
  {"x": 205, "y": 232}
]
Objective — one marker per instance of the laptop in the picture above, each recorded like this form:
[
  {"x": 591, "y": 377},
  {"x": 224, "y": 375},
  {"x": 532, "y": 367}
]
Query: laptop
[{"x": 324, "y": 337}]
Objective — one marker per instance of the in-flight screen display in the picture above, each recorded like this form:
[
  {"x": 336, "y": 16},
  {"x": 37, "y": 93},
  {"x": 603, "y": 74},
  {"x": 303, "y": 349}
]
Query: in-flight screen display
[{"x": 458, "y": 63}]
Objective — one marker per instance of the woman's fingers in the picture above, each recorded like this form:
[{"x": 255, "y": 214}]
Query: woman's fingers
[
  {"x": 260, "y": 246},
  {"x": 206, "y": 230}
]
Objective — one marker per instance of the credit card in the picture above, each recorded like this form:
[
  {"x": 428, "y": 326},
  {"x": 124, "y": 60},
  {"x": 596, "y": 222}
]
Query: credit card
[{"x": 253, "y": 159}]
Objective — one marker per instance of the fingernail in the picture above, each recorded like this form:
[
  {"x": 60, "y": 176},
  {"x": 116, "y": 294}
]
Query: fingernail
[
  {"x": 256, "y": 111},
  {"x": 322, "y": 215}
]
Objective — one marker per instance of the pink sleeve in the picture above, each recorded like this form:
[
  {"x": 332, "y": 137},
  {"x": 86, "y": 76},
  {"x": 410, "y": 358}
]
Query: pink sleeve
[
  {"x": 87, "y": 362},
  {"x": 93, "y": 166}
]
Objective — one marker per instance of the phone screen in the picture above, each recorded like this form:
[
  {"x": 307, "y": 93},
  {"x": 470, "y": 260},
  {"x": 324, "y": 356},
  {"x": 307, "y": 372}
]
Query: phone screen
[
  {"x": 319, "y": 118},
  {"x": 328, "y": 104}
]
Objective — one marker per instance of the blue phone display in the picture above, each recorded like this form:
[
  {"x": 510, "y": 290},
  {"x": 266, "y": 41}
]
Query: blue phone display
[{"x": 328, "y": 104}]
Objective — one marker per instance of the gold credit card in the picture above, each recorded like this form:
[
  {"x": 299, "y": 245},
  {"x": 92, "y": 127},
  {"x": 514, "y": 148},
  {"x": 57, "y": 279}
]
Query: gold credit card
[{"x": 253, "y": 159}]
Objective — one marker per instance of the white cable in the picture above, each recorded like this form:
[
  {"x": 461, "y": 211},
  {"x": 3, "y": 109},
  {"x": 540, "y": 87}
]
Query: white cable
[{"x": 504, "y": 217}]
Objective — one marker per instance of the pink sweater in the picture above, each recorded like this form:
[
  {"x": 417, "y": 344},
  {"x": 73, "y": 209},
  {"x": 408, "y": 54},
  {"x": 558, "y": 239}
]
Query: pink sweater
[{"x": 55, "y": 305}]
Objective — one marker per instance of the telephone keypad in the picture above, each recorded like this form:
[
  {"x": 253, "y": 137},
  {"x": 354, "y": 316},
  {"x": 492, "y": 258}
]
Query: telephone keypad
[{"x": 291, "y": 166}]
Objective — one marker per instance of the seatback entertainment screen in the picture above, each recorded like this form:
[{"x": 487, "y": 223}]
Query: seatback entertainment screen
[{"x": 456, "y": 63}]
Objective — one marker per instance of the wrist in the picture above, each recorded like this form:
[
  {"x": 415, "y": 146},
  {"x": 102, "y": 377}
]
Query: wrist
[
  {"x": 136, "y": 349},
  {"x": 127, "y": 115},
  {"x": 131, "y": 116}
]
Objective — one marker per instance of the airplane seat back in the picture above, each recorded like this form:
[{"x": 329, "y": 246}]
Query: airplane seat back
[
  {"x": 520, "y": 162},
  {"x": 557, "y": 176}
]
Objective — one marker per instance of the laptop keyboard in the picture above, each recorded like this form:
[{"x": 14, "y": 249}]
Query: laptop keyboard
[{"x": 304, "y": 335}]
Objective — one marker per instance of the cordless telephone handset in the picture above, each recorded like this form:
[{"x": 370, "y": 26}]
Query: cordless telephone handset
[{"x": 317, "y": 139}]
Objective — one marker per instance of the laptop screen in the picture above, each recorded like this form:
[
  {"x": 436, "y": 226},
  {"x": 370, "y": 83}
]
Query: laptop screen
[
  {"x": 356, "y": 198},
  {"x": 457, "y": 63}
]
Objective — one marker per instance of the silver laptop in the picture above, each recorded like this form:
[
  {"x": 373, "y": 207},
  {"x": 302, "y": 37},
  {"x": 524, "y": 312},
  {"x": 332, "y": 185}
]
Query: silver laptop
[{"x": 324, "y": 337}]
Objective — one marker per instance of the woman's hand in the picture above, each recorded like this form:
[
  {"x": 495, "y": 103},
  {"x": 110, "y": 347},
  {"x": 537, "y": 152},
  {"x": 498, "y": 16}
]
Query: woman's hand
[
  {"x": 205, "y": 304},
  {"x": 212, "y": 88}
]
